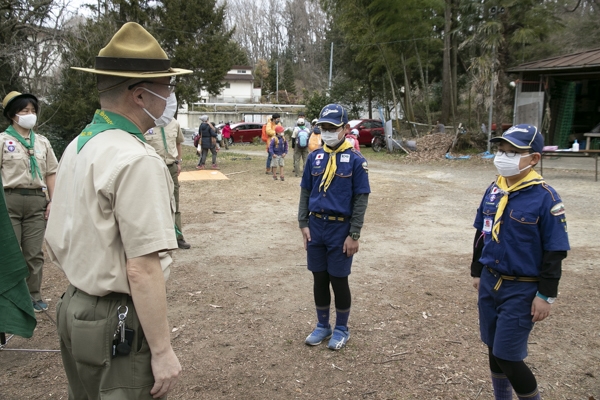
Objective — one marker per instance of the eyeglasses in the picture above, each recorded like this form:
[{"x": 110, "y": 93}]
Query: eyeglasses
[
  {"x": 171, "y": 86},
  {"x": 509, "y": 154}
]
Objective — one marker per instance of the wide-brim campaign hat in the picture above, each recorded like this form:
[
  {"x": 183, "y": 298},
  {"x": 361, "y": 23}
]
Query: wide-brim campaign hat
[
  {"x": 13, "y": 96},
  {"x": 333, "y": 114},
  {"x": 133, "y": 53},
  {"x": 523, "y": 136}
]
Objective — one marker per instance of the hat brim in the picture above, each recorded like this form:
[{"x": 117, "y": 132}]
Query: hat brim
[
  {"x": 517, "y": 145},
  {"x": 137, "y": 74},
  {"x": 332, "y": 122}
]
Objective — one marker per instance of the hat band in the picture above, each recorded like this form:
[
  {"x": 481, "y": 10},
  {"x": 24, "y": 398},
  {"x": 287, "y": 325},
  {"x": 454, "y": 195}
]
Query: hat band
[{"x": 132, "y": 64}]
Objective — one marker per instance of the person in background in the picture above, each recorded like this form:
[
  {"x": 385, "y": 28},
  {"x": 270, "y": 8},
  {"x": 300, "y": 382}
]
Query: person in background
[
  {"x": 314, "y": 140},
  {"x": 307, "y": 124},
  {"x": 226, "y": 135},
  {"x": 167, "y": 143},
  {"x": 352, "y": 137},
  {"x": 208, "y": 140},
  {"x": 111, "y": 227},
  {"x": 300, "y": 137},
  {"x": 278, "y": 150},
  {"x": 29, "y": 169},
  {"x": 270, "y": 131}
]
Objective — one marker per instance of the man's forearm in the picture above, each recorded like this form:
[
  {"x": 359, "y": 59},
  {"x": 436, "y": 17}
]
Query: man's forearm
[{"x": 148, "y": 291}]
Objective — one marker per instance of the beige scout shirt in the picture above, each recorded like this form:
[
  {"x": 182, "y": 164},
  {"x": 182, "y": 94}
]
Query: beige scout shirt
[
  {"x": 173, "y": 136},
  {"x": 112, "y": 201},
  {"x": 14, "y": 161}
]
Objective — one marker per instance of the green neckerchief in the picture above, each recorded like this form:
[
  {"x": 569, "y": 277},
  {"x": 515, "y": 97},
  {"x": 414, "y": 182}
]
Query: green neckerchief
[
  {"x": 164, "y": 141},
  {"x": 33, "y": 164},
  {"x": 103, "y": 121}
]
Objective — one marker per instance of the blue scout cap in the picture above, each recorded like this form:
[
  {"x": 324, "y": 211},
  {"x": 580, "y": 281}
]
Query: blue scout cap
[
  {"x": 523, "y": 136},
  {"x": 333, "y": 114}
]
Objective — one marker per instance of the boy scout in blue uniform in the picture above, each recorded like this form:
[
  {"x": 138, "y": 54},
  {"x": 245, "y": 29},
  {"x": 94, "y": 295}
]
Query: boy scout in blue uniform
[
  {"x": 519, "y": 246},
  {"x": 333, "y": 200}
]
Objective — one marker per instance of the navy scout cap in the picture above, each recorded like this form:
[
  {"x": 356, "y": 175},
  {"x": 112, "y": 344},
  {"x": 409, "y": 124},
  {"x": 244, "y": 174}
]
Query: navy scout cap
[
  {"x": 333, "y": 114},
  {"x": 523, "y": 136}
]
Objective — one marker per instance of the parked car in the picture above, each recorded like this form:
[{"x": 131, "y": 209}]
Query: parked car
[
  {"x": 245, "y": 132},
  {"x": 366, "y": 127}
]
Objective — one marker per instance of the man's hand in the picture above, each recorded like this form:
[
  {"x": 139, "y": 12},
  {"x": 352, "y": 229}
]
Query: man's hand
[
  {"x": 305, "y": 236},
  {"x": 178, "y": 168},
  {"x": 540, "y": 309},
  {"x": 47, "y": 213},
  {"x": 350, "y": 246},
  {"x": 476, "y": 282},
  {"x": 166, "y": 370}
]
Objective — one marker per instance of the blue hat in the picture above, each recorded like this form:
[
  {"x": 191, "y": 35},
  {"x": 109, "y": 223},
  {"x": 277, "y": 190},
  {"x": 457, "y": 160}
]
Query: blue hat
[
  {"x": 333, "y": 114},
  {"x": 523, "y": 136}
]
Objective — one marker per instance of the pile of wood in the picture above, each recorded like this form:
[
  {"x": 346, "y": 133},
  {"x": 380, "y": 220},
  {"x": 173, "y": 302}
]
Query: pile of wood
[{"x": 431, "y": 147}]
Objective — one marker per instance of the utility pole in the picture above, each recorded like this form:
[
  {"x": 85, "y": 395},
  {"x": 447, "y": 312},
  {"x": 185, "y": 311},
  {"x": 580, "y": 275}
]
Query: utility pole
[
  {"x": 330, "y": 68},
  {"x": 277, "y": 82},
  {"x": 493, "y": 12}
]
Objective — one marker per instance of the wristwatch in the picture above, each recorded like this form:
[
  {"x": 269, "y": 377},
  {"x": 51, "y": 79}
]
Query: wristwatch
[
  {"x": 354, "y": 235},
  {"x": 177, "y": 161},
  {"x": 549, "y": 300}
]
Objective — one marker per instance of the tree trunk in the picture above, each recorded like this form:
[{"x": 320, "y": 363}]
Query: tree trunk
[
  {"x": 425, "y": 85},
  {"x": 446, "y": 67}
]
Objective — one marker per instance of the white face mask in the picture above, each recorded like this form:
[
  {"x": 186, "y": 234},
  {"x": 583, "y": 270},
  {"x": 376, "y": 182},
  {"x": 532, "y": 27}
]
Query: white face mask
[
  {"x": 330, "y": 137},
  {"x": 168, "y": 113},
  {"x": 509, "y": 166},
  {"x": 26, "y": 121}
]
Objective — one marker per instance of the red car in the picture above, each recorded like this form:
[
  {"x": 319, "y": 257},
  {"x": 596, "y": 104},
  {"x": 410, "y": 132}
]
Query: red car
[
  {"x": 365, "y": 128},
  {"x": 245, "y": 131}
]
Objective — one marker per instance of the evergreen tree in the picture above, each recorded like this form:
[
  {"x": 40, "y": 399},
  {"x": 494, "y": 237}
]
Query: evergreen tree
[{"x": 288, "y": 78}]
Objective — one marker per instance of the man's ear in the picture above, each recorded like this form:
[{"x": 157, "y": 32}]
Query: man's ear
[
  {"x": 137, "y": 96},
  {"x": 535, "y": 158}
]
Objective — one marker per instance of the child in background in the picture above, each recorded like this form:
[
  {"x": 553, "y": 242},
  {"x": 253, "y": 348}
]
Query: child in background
[{"x": 278, "y": 150}]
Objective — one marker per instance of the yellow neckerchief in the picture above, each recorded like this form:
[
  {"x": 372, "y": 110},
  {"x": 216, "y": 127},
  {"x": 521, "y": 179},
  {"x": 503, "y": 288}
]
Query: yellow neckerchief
[
  {"x": 331, "y": 164},
  {"x": 532, "y": 178}
]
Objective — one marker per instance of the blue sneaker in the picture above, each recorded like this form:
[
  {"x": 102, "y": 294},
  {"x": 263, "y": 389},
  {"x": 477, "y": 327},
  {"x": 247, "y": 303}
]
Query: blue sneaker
[
  {"x": 318, "y": 335},
  {"x": 39, "y": 306},
  {"x": 340, "y": 337}
]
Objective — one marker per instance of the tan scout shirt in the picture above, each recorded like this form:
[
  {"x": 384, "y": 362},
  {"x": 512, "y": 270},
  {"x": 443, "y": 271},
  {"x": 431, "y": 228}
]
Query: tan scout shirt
[
  {"x": 173, "y": 136},
  {"x": 113, "y": 201},
  {"x": 14, "y": 161}
]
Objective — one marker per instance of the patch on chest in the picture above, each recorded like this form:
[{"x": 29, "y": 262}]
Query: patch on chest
[
  {"x": 345, "y": 158},
  {"x": 10, "y": 145}
]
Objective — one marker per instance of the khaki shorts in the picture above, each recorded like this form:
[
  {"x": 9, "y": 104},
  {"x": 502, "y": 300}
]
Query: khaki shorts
[{"x": 277, "y": 161}]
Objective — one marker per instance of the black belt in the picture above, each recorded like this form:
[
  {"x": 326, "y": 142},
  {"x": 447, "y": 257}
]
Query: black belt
[
  {"x": 339, "y": 218},
  {"x": 26, "y": 192},
  {"x": 510, "y": 278}
]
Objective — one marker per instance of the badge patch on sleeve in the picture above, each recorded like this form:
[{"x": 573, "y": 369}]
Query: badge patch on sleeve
[
  {"x": 365, "y": 167},
  {"x": 558, "y": 209}
]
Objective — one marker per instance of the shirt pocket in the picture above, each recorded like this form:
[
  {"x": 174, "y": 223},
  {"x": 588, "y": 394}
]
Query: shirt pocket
[{"x": 523, "y": 225}]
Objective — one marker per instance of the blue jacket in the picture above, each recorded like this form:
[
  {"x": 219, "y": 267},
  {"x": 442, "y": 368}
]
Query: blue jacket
[{"x": 278, "y": 149}]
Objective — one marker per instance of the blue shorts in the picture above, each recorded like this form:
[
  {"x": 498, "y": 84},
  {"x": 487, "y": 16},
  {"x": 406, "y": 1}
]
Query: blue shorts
[
  {"x": 505, "y": 319},
  {"x": 325, "y": 250}
]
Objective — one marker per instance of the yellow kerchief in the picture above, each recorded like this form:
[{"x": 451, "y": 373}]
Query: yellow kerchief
[
  {"x": 532, "y": 178},
  {"x": 331, "y": 164}
]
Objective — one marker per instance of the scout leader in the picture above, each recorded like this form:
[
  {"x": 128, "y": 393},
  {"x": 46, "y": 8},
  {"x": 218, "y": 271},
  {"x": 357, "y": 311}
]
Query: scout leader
[{"x": 114, "y": 214}]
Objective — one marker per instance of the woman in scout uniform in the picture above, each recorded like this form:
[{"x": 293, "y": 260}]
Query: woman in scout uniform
[
  {"x": 28, "y": 172},
  {"x": 333, "y": 200},
  {"x": 519, "y": 246}
]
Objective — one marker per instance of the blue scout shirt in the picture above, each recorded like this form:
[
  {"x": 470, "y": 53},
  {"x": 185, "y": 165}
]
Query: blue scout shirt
[
  {"x": 533, "y": 222},
  {"x": 350, "y": 179}
]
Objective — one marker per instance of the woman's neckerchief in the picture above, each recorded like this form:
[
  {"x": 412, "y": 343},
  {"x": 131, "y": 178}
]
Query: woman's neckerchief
[
  {"x": 33, "y": 164},
  {"x": 331, "y": 163},
  {"x": 532, "y": 178},
  {"x": 103, "y": 121}
]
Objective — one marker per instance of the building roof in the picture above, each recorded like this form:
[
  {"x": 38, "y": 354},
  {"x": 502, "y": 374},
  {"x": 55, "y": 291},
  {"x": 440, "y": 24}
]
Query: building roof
[
  {"x": 241, "y": 67},
  {"x": 581, "y": 60},
  {"x": 238, "y": 77}
]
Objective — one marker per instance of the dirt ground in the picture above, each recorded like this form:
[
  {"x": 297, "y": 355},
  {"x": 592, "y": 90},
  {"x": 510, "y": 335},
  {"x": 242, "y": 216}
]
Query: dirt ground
[{"x": 240, "y": 301}]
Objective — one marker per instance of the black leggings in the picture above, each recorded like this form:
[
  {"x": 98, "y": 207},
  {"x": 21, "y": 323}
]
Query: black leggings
[
  {"x": 341, "y": 290},
  {"x": 518, "y": 373}
]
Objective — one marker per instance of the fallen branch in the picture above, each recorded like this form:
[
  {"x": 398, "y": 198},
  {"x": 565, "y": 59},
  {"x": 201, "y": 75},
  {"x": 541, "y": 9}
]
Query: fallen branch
[{"x": 239, "y": 172}]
